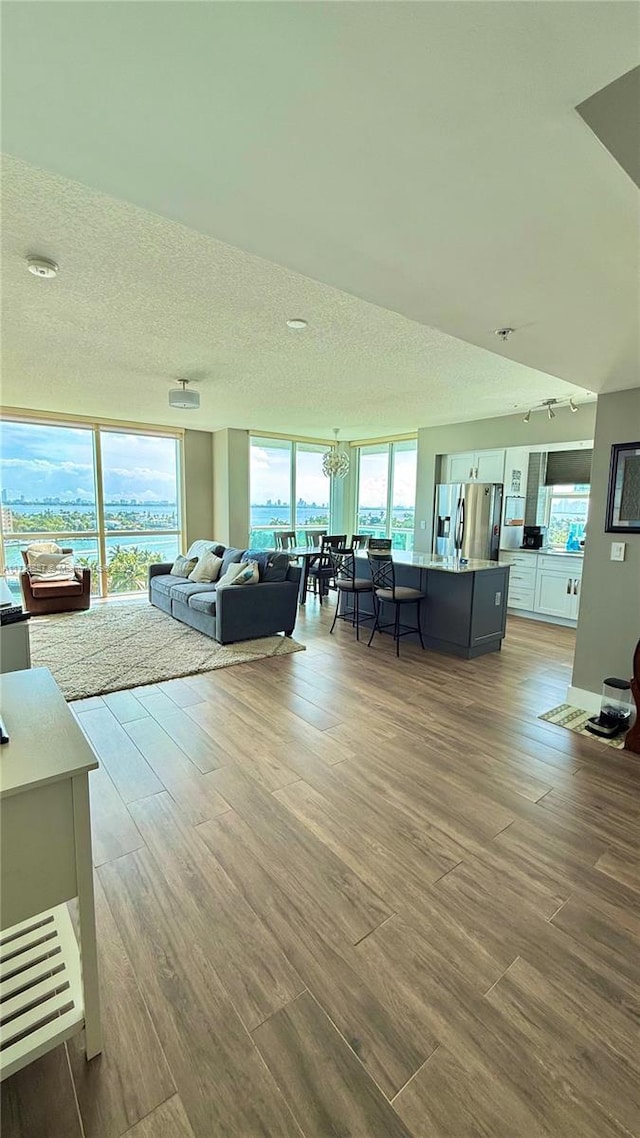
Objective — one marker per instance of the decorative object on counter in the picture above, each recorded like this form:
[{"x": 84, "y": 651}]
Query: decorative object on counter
[
  {"x": 615, "y": 709},
  {"x": 335, "y": 462},
  {"x": 632, "y": 738},
  {"x": 576, "y": 719},
  {"x": 623, "y": 501}
]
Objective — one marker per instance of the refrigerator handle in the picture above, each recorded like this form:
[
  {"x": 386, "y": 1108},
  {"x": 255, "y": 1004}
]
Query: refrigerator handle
[{"x": 460, "y": 526}]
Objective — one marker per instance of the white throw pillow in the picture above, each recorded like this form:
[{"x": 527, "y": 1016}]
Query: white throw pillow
[
  {"x": 232, "y": 572},
  {"x": 50, "y": 566},
  {"x": 250, "y": 574},
  {"x": 207, "y": 568}
]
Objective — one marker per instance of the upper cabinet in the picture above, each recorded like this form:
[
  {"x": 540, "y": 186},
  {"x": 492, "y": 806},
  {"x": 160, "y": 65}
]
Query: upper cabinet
[{"x": 474, "y": 466}]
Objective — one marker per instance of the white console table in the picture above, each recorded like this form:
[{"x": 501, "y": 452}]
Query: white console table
[
  {"x": 49, "y": 980},
  {"x": 15, "y": 650}
]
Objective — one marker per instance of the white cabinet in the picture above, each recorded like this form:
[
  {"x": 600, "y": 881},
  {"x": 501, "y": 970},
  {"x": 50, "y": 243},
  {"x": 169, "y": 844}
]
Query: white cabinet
[
  {"x": 474, "y": 466},
  {"x": 548, "y": 584},
  {"x": 554, "y": 593},
  {"x": 490, "y": 466},
  {"x": 459, "y": 467}
]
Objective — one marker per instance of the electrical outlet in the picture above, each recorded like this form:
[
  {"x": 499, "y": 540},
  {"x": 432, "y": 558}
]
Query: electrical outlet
[
  {"x": 617, "y": 550},
  {"x": 498, "y": 600}
]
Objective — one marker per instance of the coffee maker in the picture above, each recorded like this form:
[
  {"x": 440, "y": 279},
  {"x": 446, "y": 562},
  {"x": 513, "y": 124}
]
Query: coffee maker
[{"x": 534, "y": 537}]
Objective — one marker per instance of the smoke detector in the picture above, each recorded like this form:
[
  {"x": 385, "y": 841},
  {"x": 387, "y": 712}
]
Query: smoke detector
[
  {"x": 42, "y": 267},
  {"x": 504, "y": 333},
  {"x": 184, "y": 400}
]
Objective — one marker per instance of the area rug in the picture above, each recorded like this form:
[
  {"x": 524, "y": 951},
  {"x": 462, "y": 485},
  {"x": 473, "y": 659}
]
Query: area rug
[
  {"x": 116, "y": 646},
  {"x": 574, "y": 719}
]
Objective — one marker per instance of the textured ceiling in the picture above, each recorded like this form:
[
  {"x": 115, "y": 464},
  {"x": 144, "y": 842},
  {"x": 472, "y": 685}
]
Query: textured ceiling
[{"x": 140, "y": 300}]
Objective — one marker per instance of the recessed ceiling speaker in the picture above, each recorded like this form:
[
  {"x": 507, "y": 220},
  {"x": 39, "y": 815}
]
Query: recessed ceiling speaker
[
  {"x": 42, "y": 267},
  {"x": 183, "y": 399}
]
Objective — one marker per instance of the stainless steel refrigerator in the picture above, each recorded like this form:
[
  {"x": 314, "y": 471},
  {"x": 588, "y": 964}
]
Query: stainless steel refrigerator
[{"x": 467, "y": 520}]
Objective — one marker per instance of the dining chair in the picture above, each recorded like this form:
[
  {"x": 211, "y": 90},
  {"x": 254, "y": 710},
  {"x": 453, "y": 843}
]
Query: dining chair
[
  {"x": 360, "y": 541},
  {"x": 313, "y": 537},
  {"x": 386, "y": 591},
  {"x": 348, "y": 584},
  {"x": 285, "y": 539},
  {"x": 321, "y": 573}
]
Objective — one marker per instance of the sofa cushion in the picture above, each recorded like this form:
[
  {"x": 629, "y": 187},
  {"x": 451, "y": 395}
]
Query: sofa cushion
[
  {"x": 58, "y": 589},
  {"x": 182, "y": 590},
  {"x": 164, "y": 582},
  {"x": 204, "y": 602},
  {"x": 197, "y": 548},
  {"x": 230, "y": 556},
  {"x": 277, "y": 567}
]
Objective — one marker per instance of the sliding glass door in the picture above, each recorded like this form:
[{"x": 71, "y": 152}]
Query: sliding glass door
[
  {"x": 111, "y": 496},
  {"x": 387, "y": 491}
]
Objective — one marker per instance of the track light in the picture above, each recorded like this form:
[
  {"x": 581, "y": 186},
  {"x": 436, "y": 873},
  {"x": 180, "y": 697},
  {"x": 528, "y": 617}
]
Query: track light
[
  {"x": 572, "y": 407},
  {"x": 527, "y": 416},
  {"x": 550, "y": 412}
]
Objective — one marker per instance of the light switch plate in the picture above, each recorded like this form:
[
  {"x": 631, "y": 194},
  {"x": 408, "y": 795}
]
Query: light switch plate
[
  {"x": 617, "y": 550},
  {"x": 423, "y": 524}
]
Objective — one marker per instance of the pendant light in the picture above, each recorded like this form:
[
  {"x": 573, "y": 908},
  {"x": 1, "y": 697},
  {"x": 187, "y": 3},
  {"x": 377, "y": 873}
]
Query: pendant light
[
  {"x": 182, "y": 399},
  {"x": 335, "y": 462}
]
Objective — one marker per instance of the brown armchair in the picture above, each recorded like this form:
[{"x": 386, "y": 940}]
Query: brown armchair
[{"x": 42, "y": 597}]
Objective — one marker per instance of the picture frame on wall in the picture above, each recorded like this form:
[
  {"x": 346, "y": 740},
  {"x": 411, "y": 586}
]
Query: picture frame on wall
[{"x": 623, "y": 500}]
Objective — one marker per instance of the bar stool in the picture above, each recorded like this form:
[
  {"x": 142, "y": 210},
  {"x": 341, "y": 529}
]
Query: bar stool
[
  {"x": 385, "y": 591},
  {"x": 347, "y": 584}
]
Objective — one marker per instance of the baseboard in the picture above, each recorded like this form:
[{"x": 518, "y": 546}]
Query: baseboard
[
  {"x": 543, "y": 617},
  {"x": 587, "y": 700}
]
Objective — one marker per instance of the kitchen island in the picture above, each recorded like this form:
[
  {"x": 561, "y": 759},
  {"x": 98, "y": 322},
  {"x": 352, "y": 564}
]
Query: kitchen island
[{"x": 465, "y": 610}]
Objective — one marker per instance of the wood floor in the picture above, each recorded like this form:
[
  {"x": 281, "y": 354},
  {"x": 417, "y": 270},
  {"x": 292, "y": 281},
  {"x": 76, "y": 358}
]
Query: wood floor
[{"x": 345, "y": 895}]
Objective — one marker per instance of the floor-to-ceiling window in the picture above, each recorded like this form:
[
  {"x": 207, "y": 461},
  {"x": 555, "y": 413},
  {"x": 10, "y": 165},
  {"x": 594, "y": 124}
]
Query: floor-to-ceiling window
[
  {"x": 112, "y": 495},
  {"x": 386, "y": 495},
  {"x": 288, "y": 490}
]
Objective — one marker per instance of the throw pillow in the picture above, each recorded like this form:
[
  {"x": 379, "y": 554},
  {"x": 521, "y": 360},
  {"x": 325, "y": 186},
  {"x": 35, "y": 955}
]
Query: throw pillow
[
  {"x": 197, "y": 548},
  {"x": 229, "y": 578},
  {"x": 50, "y": 566},
  {"x": 207, "y": 568},
  {"x": 260, "y": 557},
  {"x": 277, "y": 567},
  {"x": 183, "y": 566},
  {"x": 249, "y": 574}
]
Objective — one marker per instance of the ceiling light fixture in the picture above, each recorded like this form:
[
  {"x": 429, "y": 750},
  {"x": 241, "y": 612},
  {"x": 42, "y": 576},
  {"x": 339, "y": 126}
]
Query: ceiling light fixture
[
  {"x": 335, "y": 462},
  {"x": 527, "y": 416},
  {"x": 572, "y": 407},
  {"x": 548, "y": 405},
  {"x": 42, "y": 267},
  {"x": 296, "y": 322},
  {"x": 504, "y": 333},
  {"x": 185, "y": 400}
]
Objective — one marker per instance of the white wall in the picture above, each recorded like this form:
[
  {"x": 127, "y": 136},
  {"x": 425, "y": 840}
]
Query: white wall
[
  {"x": 609, "y": 621},
  {"x": 198, "y": 485},
  {"x": 231, "y": 487},
  {"x": 507, "y": 431}
]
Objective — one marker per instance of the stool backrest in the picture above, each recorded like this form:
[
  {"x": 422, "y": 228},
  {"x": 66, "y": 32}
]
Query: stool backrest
[
  {"x": 360, "y": 541},
  {"x": 343, "y": 563},
  {"x": 333, "y": 541},
  {"x": 379, "y": 544},
  {"x": 383, "y": 572}
]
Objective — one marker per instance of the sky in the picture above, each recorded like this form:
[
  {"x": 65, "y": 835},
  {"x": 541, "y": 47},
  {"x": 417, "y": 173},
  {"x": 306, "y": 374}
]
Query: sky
[{"x": 41, "y": 461}]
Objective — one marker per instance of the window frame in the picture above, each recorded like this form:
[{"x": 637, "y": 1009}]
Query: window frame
[
  {"x": 551, "y": 493},
  {"x": 98, "y": 427},
  {"x": 390, "y": 446},
  {"x": 256, "y": 439}
]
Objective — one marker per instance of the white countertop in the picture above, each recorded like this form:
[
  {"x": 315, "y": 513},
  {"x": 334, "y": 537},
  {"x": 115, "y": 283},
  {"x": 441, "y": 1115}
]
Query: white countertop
[{"x": 442, "y": 564}]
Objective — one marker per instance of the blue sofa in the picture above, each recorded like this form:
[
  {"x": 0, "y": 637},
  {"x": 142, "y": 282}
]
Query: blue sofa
[{"x": 235, "y": 612}]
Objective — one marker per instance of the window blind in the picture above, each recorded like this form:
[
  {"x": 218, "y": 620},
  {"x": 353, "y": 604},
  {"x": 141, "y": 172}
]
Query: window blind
[{"x": 568, "y": 468}]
